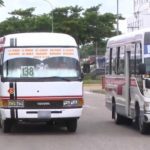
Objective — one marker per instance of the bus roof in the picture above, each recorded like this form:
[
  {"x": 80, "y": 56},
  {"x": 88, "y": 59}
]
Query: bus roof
[
  {"x": 127, "y": 38},
  {"x": 40, "y": 39}
]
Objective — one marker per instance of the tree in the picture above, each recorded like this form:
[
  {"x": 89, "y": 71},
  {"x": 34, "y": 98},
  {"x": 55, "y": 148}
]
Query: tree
[
  {"x": 23, "y": 13},
  {"x": 99, "y": 27},
  {"x": 1, "y": 3},
  {"x": 89, "y": 27},
  {"x": 25, "y": 21},
  {"x": 68, "y": 20}
]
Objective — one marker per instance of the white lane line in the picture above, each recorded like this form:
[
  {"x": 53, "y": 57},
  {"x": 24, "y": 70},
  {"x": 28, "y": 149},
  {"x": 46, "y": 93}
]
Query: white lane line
[
  {"x": 89, "y": 107},
  {"x": 88, "y": 92},
  {"x": 92, "y": 93}
]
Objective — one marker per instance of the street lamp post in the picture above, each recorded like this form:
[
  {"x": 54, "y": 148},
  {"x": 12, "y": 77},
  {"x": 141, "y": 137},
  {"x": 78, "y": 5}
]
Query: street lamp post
[
  {"x": 52, "y": 13},
  {"x": 96, "y": 48}
]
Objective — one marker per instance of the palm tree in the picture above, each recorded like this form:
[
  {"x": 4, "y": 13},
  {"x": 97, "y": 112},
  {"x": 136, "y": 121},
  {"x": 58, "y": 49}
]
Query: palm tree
[{"x": 1, "y": 3}]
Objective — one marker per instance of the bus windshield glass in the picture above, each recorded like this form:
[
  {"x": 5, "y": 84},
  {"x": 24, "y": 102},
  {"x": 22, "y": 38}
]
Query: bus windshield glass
[{"x": 41, "y": 67}]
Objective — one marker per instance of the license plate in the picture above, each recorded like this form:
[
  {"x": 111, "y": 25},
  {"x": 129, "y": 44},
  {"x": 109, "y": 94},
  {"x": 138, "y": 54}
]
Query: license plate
[
  {"x": 44, "y": 114},
  {"x": 15, "y": 103}
]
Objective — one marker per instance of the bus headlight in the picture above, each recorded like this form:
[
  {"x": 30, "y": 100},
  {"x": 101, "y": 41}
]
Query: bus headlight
[
  {"x": 72, "y": 103},
  {"x": 147, "y": 106}
]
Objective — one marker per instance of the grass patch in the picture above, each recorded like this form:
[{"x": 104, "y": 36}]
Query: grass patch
[
  {"x": 99, "y": 91},
  {"x": 91, "y": 81},
  {"x": 88, "y": 79}
]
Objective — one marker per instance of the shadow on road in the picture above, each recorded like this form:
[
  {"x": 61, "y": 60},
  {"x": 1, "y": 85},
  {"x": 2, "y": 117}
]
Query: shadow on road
[
  {"x": 38, "y": 128},
  {"x": 121, "y": 130}
]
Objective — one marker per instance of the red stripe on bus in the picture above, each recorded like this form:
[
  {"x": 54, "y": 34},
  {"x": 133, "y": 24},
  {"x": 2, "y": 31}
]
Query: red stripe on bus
[
  {"x": 119, "y": 81},
  {"x": 34, "y": 98}
]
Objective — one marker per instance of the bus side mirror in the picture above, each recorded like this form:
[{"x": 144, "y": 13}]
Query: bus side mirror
[
  {"x": 142, "y": 69},
  {"x": 82, "y": 76},
  {"x": 86, "y": 68},
  {"x": 1, "y": 69},
  {"x": 147, "y": 83}
]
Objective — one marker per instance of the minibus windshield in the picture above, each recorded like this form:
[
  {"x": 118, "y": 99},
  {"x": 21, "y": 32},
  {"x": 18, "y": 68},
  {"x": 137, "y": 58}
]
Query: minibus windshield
[{"x": 35, "y": 68}]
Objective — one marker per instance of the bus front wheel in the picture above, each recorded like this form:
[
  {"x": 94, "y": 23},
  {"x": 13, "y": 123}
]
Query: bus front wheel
[
  {"x": 71, "y": 125},
  {"x": 141, "y": 125},
  {"x": 6, "y": 125}
]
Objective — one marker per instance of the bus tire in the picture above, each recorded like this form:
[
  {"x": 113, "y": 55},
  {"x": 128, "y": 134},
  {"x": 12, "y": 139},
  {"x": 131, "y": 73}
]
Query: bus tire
[
  {"x": 128, "y": 121},
  {"x": 140, "y": 124},
  {"x": 0, "y": 121},
  {"x": 123, "y": 120},
  {"x": 143, "y": 128},
  {"x": 113, "y": 109},
  {"x": 71, "y": 125},
  {"x": 119, "y": 119},
  {"x": 115, "y": 115},
  {"x": 0, "y": 124},
  {"x": 6, "y": 125}
]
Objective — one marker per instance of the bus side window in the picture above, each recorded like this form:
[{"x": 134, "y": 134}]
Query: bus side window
[
  {"x": 107, "y": 61},
  {"x": 1, "y": 61},
  {"x": 132, "y": 59},
  {"x": 138, "y": 52},
  {"x": 110, "y": 61},
  {"x": 114, "y": 61},
  {"x": 121, "y": 60},
  {"x": 118, "y": 60}
]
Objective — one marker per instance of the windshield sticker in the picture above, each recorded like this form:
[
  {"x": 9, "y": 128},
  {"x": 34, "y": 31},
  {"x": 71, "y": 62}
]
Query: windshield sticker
[
  {"x": 27, "y": 71},
  {"x": 39, "y": 53}
]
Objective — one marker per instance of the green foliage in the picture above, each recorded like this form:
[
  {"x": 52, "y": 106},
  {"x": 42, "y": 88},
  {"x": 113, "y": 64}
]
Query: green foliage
[
  {"x": 1, "y": 3},
  {"x": 23, "y": 13},
  {"x": 89, "y": 27},
  {"x": 25, "y": 22}
]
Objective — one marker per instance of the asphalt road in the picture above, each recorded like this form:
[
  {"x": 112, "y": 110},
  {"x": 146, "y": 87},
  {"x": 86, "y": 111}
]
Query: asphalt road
[{"x": 96, "y": 131}]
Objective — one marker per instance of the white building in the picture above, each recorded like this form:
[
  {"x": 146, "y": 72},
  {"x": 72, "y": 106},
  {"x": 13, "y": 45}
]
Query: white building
[{"x": 141, "y": 15}]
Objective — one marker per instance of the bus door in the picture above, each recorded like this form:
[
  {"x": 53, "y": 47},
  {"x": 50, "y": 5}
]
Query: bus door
[{"x": 127, "y": 82}]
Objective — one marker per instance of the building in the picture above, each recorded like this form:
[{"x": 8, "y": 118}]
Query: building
[{"x": 141, "y": 15}]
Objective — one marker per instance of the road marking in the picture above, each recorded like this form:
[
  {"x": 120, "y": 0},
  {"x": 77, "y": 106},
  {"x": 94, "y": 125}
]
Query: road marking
[
  {"x": 88, "y": 92},
  {"x": 90, "y": 107},
  {"x": 91, "y": 93}
]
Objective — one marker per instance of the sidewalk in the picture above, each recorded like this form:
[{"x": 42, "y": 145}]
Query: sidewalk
[{"x": 97, "y": 88}]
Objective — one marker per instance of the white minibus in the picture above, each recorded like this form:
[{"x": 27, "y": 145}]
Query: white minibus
[{"x": 40, "y": 80}]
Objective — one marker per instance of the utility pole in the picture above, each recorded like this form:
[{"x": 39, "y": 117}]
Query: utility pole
[
  {"x": 117, "y": 32},
  {"x": 96, "y": 58},
  {"x": 52, "y": 13}
]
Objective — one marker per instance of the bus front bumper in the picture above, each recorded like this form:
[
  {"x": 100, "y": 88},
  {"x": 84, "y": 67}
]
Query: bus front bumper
[{"x": 40, "y": 113}]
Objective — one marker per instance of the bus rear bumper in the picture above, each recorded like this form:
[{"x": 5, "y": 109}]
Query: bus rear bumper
[{"x": 18, "y": 114}]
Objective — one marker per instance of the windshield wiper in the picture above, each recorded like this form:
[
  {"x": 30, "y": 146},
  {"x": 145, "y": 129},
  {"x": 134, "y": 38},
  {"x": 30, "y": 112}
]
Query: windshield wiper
[
  {"x": 55, "y": 78},
  {"x": 52, "y": 78},
  {"x": 59, "y": 78}
]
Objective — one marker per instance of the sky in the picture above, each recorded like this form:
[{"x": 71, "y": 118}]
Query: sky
[{"x": 44, "y": 6}]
